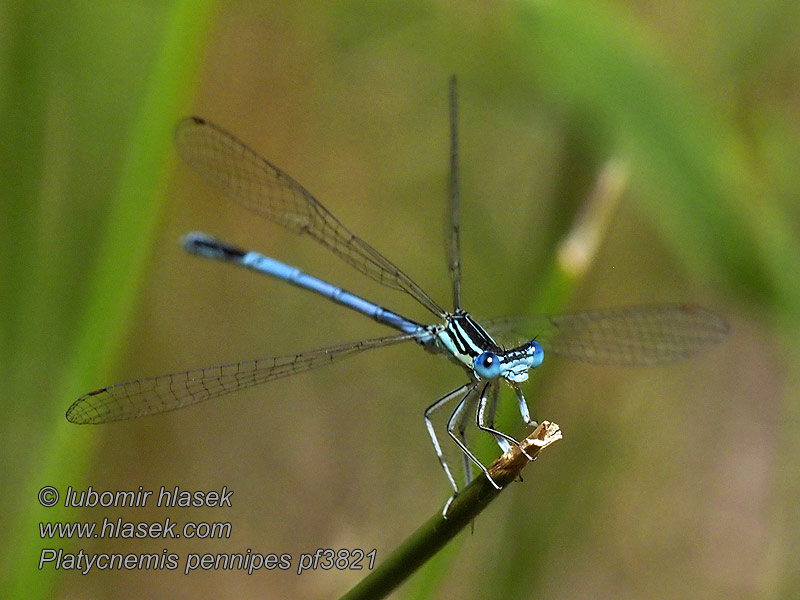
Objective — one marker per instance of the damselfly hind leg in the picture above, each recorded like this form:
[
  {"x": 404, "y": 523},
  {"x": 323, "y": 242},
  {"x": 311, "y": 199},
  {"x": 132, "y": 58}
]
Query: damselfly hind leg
[
  {"x": 466, "y": 393},
  {"x": 434, "y": 438},
  {"x": 451, "y": 423},
  {"x": 461, "y": 432}
]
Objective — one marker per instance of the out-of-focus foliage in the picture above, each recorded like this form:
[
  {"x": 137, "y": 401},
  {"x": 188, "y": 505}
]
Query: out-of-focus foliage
[{"x": 673, "y": 482}]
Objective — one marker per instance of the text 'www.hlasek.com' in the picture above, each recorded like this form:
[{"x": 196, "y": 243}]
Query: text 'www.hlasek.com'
[{"x": 248, "y": 561}]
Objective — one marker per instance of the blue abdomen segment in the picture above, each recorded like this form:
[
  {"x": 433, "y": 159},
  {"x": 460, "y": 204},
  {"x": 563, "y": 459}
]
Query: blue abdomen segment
[{"x": 207, "y": 246}]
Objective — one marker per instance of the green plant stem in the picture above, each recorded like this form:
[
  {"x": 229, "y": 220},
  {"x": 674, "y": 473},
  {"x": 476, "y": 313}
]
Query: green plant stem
[{"x": 433, "y": 535}]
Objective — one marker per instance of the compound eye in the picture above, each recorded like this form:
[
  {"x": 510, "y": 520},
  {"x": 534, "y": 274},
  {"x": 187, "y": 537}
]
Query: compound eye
[
  {"x": 487, "y": 365},
  {"x": 537, "y": 354}
]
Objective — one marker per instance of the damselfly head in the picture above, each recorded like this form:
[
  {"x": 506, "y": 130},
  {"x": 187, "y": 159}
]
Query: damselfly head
[{"x": 512, "y": 365}]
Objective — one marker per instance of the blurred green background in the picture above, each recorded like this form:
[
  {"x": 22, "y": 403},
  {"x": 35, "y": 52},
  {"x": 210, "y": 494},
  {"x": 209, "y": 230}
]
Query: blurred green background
[{"x": 671, "y": 482}]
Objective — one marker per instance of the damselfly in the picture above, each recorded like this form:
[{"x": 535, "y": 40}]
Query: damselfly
[{"x": 641, "y": 335}]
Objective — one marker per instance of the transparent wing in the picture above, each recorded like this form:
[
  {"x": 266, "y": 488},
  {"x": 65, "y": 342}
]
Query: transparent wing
[
  {"x": 142, "y": 397},
  {"x": 454, "y": 244},
  {"x": 625, "y": 336},
  {"x": 253, "y": 182}
]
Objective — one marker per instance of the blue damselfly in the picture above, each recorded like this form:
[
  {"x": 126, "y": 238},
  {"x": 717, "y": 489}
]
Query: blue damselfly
[{"x": 639, "y": 335}]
